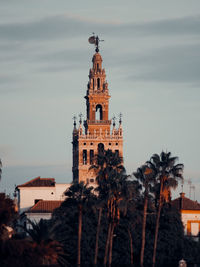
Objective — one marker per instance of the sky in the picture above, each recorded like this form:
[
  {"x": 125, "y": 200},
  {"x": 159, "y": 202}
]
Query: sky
[{"x": 151, "y": 54}]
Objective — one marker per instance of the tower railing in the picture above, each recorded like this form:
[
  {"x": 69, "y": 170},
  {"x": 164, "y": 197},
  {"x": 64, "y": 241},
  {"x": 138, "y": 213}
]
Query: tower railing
[
  {"x": 105, "y": 137},
  {"x": 99, "y": 122}
]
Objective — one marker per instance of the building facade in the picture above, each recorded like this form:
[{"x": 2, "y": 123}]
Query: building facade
[
  {"x": 95, "y": 134},
  {"x": 190, "y": 214},
  {"x": 38, "y": 189}
]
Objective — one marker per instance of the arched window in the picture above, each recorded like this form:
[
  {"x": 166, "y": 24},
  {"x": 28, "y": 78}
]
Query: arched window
[
  {"x": 99, "y": 113},
  {"x": 100, "y": 148},
  {"x": 98, "y": 83}
]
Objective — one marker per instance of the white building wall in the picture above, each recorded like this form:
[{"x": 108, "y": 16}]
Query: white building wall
[
  {"x": 28, "y": 195},
  {"x": 186, "y": 217}
]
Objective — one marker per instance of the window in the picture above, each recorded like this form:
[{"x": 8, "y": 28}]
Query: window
[
  {"x": 99, "y": 113},
  {"x": 117, "y": 152},
  {"x": 100, "y": 148},
  {"x": 84, "y": 144},
  {"x": 91, "y": 144},
  {"x": 109, "y": 144},
  {"x": 116, "y": 144},
  {"x": 98, "y": 83},
  {"x": 91, "y": 156},
  {"x": 84, "y": 157},
  {"x": 92, "y": 180}
]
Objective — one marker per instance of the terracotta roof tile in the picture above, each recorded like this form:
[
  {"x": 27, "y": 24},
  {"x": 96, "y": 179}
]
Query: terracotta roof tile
[
  {"x": 36, "y": 182},
  {"x": 184, "y": 203},
  {"x": 45, "y": 206}
]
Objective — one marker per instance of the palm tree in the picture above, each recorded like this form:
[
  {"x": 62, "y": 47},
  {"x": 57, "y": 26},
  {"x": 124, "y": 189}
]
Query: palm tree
[
  {"x": 145, "y": 175},
  {"x": 167, "y": 175},
  {"x": 49, "y": 251},
  {"x": 118, "y": 190},
  {"x": 108, "y": 164},
  {"x": 82, "y": 196}
]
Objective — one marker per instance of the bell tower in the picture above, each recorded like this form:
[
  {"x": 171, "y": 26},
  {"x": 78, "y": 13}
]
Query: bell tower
[{"x": 97, "y": 134}]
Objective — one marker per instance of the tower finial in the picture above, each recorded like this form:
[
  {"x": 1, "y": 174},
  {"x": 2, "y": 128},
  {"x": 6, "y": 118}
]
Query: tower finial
[
  {"x": 95, "y": 40},
  {"x": 114, "y": 118},
  {"x": 80, "y": 116},
  {"x": 74, "y": 119},
  {"x": 120, "y": 118}
]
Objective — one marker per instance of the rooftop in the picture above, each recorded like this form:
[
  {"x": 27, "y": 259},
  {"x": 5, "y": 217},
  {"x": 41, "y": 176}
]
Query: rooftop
[
  {"x": 184, "y": 203},
  {"x": 45, "y": 206},
  {"x": 38, "y": 181}
]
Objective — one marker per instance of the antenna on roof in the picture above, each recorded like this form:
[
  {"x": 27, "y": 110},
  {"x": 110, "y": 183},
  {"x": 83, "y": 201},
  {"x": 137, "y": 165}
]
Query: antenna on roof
[
  {"x": 190, "y": 187},
  {"x": 95, "y": 40},
  {"x": 182, "y": 183},
  {"x": 193, "y": 187}
]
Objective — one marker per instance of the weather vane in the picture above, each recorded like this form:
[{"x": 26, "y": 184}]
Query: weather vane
[{"x": 95, "y": 40}]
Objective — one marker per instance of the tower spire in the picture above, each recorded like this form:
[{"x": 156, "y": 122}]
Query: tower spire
[{"x": 95, "y": 135}]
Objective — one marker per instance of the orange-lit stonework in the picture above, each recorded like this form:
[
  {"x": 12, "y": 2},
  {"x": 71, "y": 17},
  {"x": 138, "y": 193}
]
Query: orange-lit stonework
[
  {"x": 190, "y": 214},
  {"x": 95, "y": 133}
]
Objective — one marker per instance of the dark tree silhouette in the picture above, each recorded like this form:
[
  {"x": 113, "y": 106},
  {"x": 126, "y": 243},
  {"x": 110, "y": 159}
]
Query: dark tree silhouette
[
  {"x": 145, "y": 175},
  {"x": 81, "y": 195},
  {"x": 107, "y": 165},
  {"x": 45, "y": 243},
  {"x": 167, "y": 175}
]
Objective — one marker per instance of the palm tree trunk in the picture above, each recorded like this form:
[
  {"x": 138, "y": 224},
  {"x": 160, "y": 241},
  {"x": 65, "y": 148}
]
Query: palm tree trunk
[
  {"x": 79, "y": 236},
  {"x": 111, "y": 245},
  {"x": 157, "y": 225},
  {"x": 143, "y": 231},
  {"x": 131, "y": 246},
  {"x": 97, "y": 237},
  {"x": 107, "y": 244}
]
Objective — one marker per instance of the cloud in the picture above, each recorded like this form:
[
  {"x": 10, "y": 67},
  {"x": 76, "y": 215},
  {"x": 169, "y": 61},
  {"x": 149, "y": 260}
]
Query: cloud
[
  {"x": 67, "y": 60},
  {"x": 64, "y": 26},
  {"x": 47, "y": 28},
  {"x": 24, "y": 44},
  {"x": 5, "y": 79},
  {"x": 177, "y": 26},
  {"x": 179, "y": 63}
]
